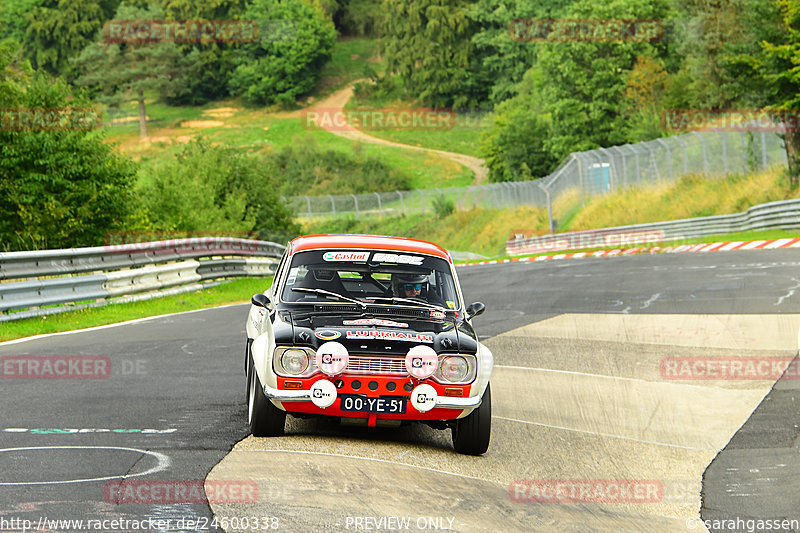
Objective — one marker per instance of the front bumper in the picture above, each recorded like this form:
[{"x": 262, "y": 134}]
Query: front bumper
[{"x": 441, "y": 402}]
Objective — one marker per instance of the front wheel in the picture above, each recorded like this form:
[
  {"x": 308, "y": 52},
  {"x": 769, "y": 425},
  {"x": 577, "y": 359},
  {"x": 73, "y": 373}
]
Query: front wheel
[
  {"x": 265, "y": 419},
  {"x": 471, "y": 433}
]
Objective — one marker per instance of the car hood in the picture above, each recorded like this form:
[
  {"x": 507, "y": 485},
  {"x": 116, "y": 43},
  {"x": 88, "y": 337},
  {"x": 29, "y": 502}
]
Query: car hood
[{"x": 382, "y": 335}]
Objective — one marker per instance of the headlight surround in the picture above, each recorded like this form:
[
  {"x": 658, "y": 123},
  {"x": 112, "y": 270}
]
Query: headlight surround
[
  {"x": 456, "y": 368},
  {"x": 293, "y": 361}
]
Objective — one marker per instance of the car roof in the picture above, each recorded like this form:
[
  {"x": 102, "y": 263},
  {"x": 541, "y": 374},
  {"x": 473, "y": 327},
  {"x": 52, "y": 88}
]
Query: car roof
[{"x": 366, "y": 242}]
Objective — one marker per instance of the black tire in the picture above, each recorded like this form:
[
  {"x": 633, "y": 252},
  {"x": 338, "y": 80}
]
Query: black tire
[
  {"x": 265, "y": 419},
  {"x": 471, "y": 433}
]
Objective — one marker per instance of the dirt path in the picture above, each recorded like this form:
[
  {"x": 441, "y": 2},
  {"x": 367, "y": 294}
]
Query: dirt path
[{"x": 336, "y": 102}]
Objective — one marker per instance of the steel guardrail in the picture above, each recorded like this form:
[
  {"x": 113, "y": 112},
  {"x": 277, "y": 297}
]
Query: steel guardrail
[
  {"x": 30, "y": 280},
  {"x": 784, "y": 214}
]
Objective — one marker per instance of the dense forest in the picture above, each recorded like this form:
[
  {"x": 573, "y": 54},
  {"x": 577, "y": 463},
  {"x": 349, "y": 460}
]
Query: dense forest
[{"x": 548, "y": 92}]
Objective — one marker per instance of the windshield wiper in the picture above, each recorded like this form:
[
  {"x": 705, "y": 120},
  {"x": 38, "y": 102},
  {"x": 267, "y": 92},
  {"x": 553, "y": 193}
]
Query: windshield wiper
[
  {"x": 406, "y": 300},
  {"x": 329, "y": 293}
]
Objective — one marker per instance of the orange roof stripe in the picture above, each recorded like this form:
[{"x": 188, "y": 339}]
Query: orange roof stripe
[{"x": 368, "y": 242}]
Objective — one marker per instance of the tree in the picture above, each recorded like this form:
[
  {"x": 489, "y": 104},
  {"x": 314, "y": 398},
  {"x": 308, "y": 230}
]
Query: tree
[
  {"x": 428, "y": 45},
  {"x": 58, "y": 188},
  {"x": 57, "y": 30},
  {"x": 296, "y": 41},
  {"x": 118, "y": 69},
  {"x": 781, "y": 67},
  {"x": 209, "y": 188}
]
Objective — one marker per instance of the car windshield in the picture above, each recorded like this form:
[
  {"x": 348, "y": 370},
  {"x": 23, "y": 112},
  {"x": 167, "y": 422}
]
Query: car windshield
[{"x": 370, "y": 276}]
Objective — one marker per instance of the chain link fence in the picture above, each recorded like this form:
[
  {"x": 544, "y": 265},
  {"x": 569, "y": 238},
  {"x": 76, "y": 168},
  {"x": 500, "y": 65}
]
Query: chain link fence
[{"x": 594, "y": 172}]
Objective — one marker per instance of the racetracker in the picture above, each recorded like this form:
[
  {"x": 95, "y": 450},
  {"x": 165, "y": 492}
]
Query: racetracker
[{"x": 369, "y": 329}]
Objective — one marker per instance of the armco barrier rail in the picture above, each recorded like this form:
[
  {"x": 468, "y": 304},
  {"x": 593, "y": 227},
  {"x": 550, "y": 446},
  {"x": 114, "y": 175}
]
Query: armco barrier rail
[
  {"x": 31, "y": 280},
  {"x": 774, "y": 215}
]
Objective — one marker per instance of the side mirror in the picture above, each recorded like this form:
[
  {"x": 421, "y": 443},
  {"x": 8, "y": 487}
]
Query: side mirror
[
  {"x": 475, "y": 309},
  {"x": 260, "y": 300}
]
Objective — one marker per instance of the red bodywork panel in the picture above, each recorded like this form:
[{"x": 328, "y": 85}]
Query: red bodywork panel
[{"x": 410, "y": 414}]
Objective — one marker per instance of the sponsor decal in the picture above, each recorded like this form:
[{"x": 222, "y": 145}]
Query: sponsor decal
[
  {"x": 327, "y": 335},
  {"x": 374, "y": 322},
  {"x": 390, "y": 335},
  {"x": 421, "y": 362},
  {"x": 332, "y": 358},
  {"x": 437, "y": 315},
  {"x": 451, "y": 304},
  {"x": 380, "y": 257},
  {"x": 423, "y": 398},
  {"x": 345, "y": 256},
  {"x": 323, "y": 393}
]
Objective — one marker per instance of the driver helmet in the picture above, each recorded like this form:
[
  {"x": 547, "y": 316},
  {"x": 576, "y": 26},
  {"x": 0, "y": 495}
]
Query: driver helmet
[{"x": 415, "y": 282}]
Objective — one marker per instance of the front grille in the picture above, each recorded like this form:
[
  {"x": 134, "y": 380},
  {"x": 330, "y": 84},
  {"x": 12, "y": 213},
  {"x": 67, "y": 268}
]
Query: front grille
[
  {"x": 373, "y": 364},
  {"x": 365, "y": 364}
]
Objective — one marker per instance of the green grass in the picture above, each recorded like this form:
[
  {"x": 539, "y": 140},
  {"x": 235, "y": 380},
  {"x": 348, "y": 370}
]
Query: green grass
[{"x": 236, "y": 291}]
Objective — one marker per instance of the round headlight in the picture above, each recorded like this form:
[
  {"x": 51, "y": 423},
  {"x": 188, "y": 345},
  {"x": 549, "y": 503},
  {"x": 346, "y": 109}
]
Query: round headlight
[
  {"x": 454, "y": 368},
  {"x": 294, "y": 362}
]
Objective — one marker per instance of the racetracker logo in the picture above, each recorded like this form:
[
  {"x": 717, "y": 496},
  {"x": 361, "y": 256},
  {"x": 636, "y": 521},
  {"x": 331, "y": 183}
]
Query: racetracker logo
[
  {"x": 729, "y": 368},
  {"x": 586, "y": 30},
  {"x": 586, "y": 491},
  {"x": 181, "y": 31},
  {"x": 731, "y": 120},
  {"x": 55, "y": 366},
  {"x": 421, "y": 119},
  {"x": 150, "y": 492},
  {"x": 50, "y": 119}
]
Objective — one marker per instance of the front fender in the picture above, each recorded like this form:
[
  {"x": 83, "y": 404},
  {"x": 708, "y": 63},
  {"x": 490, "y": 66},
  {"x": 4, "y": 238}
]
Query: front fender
[{"x": 485, "y": 367}]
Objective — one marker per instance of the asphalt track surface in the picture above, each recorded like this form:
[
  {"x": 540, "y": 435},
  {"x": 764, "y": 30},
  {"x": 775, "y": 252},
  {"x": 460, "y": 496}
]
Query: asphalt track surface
[{"x": 577, "y": 396}]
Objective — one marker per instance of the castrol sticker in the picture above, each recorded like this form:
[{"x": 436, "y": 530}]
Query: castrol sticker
[
  {"x": 421, "y": 362},
  {"x": 345, "y": 256},
  {"x": 323, "y": 393},
  {"x": 332, "y": 358},
  {"x": 423, "y": 398}
]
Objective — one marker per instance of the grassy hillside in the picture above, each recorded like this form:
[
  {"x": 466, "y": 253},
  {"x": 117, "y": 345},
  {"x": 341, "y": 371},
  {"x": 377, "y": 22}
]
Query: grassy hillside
[{"x": 485, "y": 231}]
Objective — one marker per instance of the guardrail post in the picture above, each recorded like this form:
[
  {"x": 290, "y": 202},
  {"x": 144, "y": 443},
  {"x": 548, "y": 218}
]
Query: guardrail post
[
  {"x": 355, "y": 200},
  {"x": 333, "y": 206},
  {"x": 705, "y": 157}
]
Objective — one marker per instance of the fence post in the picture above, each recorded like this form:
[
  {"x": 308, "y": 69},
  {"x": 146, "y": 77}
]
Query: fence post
[
  {"x": 549, "y": 206},
  {"x": 724, "y": 149},
  {"x": 705, "y": 157},
  {"x": 669, "y": 158},
  {"x": 333, "y": 206},
  {"x": 422, "y": 198},
  {"x": 612, "y": 168},
  {"x": 580, "y": 175},
  {"x": 308, "y": 204},
  {"x": 763, "y": 149},
  {"x": 402, "y": 203},
  {"x": 679, "y": 138},
  {"x": 380, "y": 209},
  {"x": 358, "y": 216}
]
